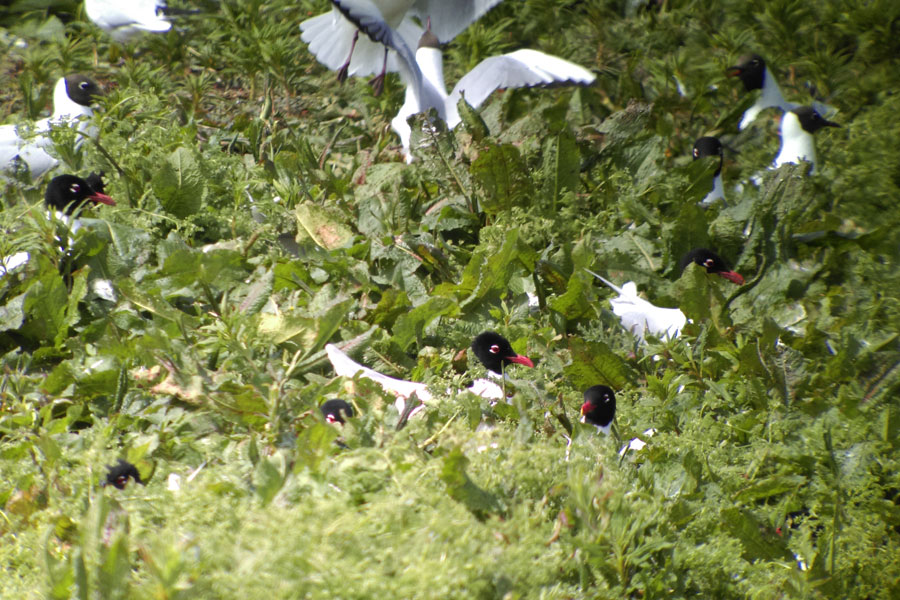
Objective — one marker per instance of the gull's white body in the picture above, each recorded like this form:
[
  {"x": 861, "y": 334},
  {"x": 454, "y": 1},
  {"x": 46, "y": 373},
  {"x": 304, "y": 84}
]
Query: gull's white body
[
  {"x": 717, "y": 193},
  {"x": 124, "y": 19},
  {"x": 640, "y": 316},
  {"x": 28, "y": 144},
  {"x": 770, "y": 97},
  {"x": 13, "y": 262},
  {"x": 347, "y": 367},
  {"x": 522, "y": 68},
  {"x": 797, "y": 145},
  {"x": 330, "y": 35}
]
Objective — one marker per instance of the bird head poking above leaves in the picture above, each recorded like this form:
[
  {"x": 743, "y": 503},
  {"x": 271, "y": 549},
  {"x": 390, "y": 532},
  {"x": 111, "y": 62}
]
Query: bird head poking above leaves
[
  {"x": 751, "y": 70},
  {"x": 336, "y": 410},
  {"x": 494, "y": 351},
  {"x": 599, "y": 406},
  {"x": 117, "y": 475},
  {"x": 713, "y": 263},
  {"x": 67, "y": 192}
]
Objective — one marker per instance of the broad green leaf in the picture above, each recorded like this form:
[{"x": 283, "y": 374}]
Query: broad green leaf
[
  {"x": 593, "y": 363},
  {"x": 179, "y": 183},
  {"x": 325, "y": 228},
  {"x": 410, "y": 326}
]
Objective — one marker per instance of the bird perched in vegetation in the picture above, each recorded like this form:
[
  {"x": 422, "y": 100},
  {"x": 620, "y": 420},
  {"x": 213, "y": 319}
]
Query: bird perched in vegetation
[
  {"x": 599, "y": 407},
  {"x": 797, "y": 128},
  {"x": 66, "y": 196},
  {"x": 711, "y": 146},
  {"x": 22, "y": 146},
  {"x": 123, "y": 20},
  {"x": 522, "y": 68},
  {"x": 334, "y": 37},
  {"x": 753, "y": 72},
  {"x": 118, "y": 474},
  {"x": 640, "y": 316},
  {"x": 713, "y": 263},
  {"x": 335, "y": 410},
  {"x": 495, "y": 352}
]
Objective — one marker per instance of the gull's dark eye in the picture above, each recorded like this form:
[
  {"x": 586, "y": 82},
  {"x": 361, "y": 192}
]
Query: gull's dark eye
[
  {"x": 84, "y": 85},
  {"x": 755, "y": 62},
  {"x": 708, "y": 263},
  {"x": 75, "y": 188},
  {"x": 696, "y": 153},
  {"x": 121, "y": 480},
  {"x": 495, "y": 349}
]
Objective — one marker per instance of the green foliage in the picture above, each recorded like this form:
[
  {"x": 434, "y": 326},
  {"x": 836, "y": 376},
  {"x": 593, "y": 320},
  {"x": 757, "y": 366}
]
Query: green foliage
[{"x": 264, "y": 211}]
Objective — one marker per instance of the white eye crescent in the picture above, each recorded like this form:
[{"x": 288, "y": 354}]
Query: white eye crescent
[
  {"x": 494, "y": 349},
  {"x": 84, "y": 85}
]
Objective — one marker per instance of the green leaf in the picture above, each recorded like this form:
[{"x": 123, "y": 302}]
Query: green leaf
[
  {"x": 561, "y": 166},
  {"x": 179, "y": 184},
  {"x": 411, "y": 325},
  {"x": 326, "y": 229},
  {"x": 500, "y": 173},
  {"x": 593, "y": 363},
  {"x": 462, "y": 489}
]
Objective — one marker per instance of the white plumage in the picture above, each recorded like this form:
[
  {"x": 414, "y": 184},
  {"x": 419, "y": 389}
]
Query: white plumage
[
  {"x": 522, "y": 68},
  {"x": 640, "y": 316},
  {"x": 125, "y": 19},
  {"x": 24, "y": 145},
  {"x": 331, "y": 35}
]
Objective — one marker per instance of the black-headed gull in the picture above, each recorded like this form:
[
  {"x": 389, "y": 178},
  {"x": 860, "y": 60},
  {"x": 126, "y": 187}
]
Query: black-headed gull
[
  {"x": 334, "y": 37},
  {"x": 797, "y": 128},
  {"x": 125, "y": 19},
  {"x": 402, "y": 389},
  {"x": 599, "y": 407},
  {"x": 751, "y": 69},
  {"x": 65, "y": 196},
  {"x": 495, "y": 352},
  {"x": 522, "y": 68},
  {"x": 640, "y": 316},
  {"x": 713, "y": 263},
  {"x": 711, "y": 146},
  {"x": 117, "y": 475},
  {"x": 24, "y": 146},
  {"x": 336, "y": 410}
]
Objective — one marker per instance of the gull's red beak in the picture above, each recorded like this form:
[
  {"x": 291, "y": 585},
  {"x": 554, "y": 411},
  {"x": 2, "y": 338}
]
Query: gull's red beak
[
  {"x": 102, "y": 199},
  {"x": 732, "y": 277},
  {"x": 733, "y": 71},
  {"x": 522, "y": 360},
  {"x": 586, "y": 407}
]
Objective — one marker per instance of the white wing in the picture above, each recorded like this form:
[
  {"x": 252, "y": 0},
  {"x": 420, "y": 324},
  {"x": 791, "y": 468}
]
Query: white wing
[
  {"x": 640, "y": 316},
  {"x": 522, "y": 68},
  {"x": 127, "y": 18},
  {"x": 450, "y": 17},
  {"x": 347, "y": 367},
  {"x": 330, "y": 36}
]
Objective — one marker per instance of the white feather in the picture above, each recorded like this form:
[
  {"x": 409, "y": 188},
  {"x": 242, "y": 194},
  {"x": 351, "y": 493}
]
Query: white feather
[
  {"x": 640, "y": 316},
  {"x": 125, "y": 19}
]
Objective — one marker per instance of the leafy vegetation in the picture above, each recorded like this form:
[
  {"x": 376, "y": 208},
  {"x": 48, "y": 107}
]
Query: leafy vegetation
[{"x": 265, "y": 211}]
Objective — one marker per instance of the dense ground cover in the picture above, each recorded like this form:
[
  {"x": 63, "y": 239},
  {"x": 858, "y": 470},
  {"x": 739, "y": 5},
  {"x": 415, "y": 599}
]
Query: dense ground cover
[{"x": 265, "y": 211}]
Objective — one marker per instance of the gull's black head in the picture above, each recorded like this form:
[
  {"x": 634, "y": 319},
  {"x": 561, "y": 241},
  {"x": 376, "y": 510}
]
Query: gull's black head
[
  {"x": 67, "y": 193},
  {"x": 709, "y": 146},
  {"x": 599, "y": 406},
  {"x": 712, "y": 262},
  {"x": 336, "y": 410},
  {"x": 82, "y": 89},
  {"x": 810, "y": 120},
  {"x": 751, "y": 70},
  {"x": 494, "y": 352},
  {"x": 119, "y": 473}
]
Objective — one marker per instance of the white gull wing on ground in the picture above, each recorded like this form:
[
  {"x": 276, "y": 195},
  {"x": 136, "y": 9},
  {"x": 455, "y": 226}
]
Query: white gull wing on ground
[
  {"x": 347, "y": 367},
  {"x": 640, "y": 316}
]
